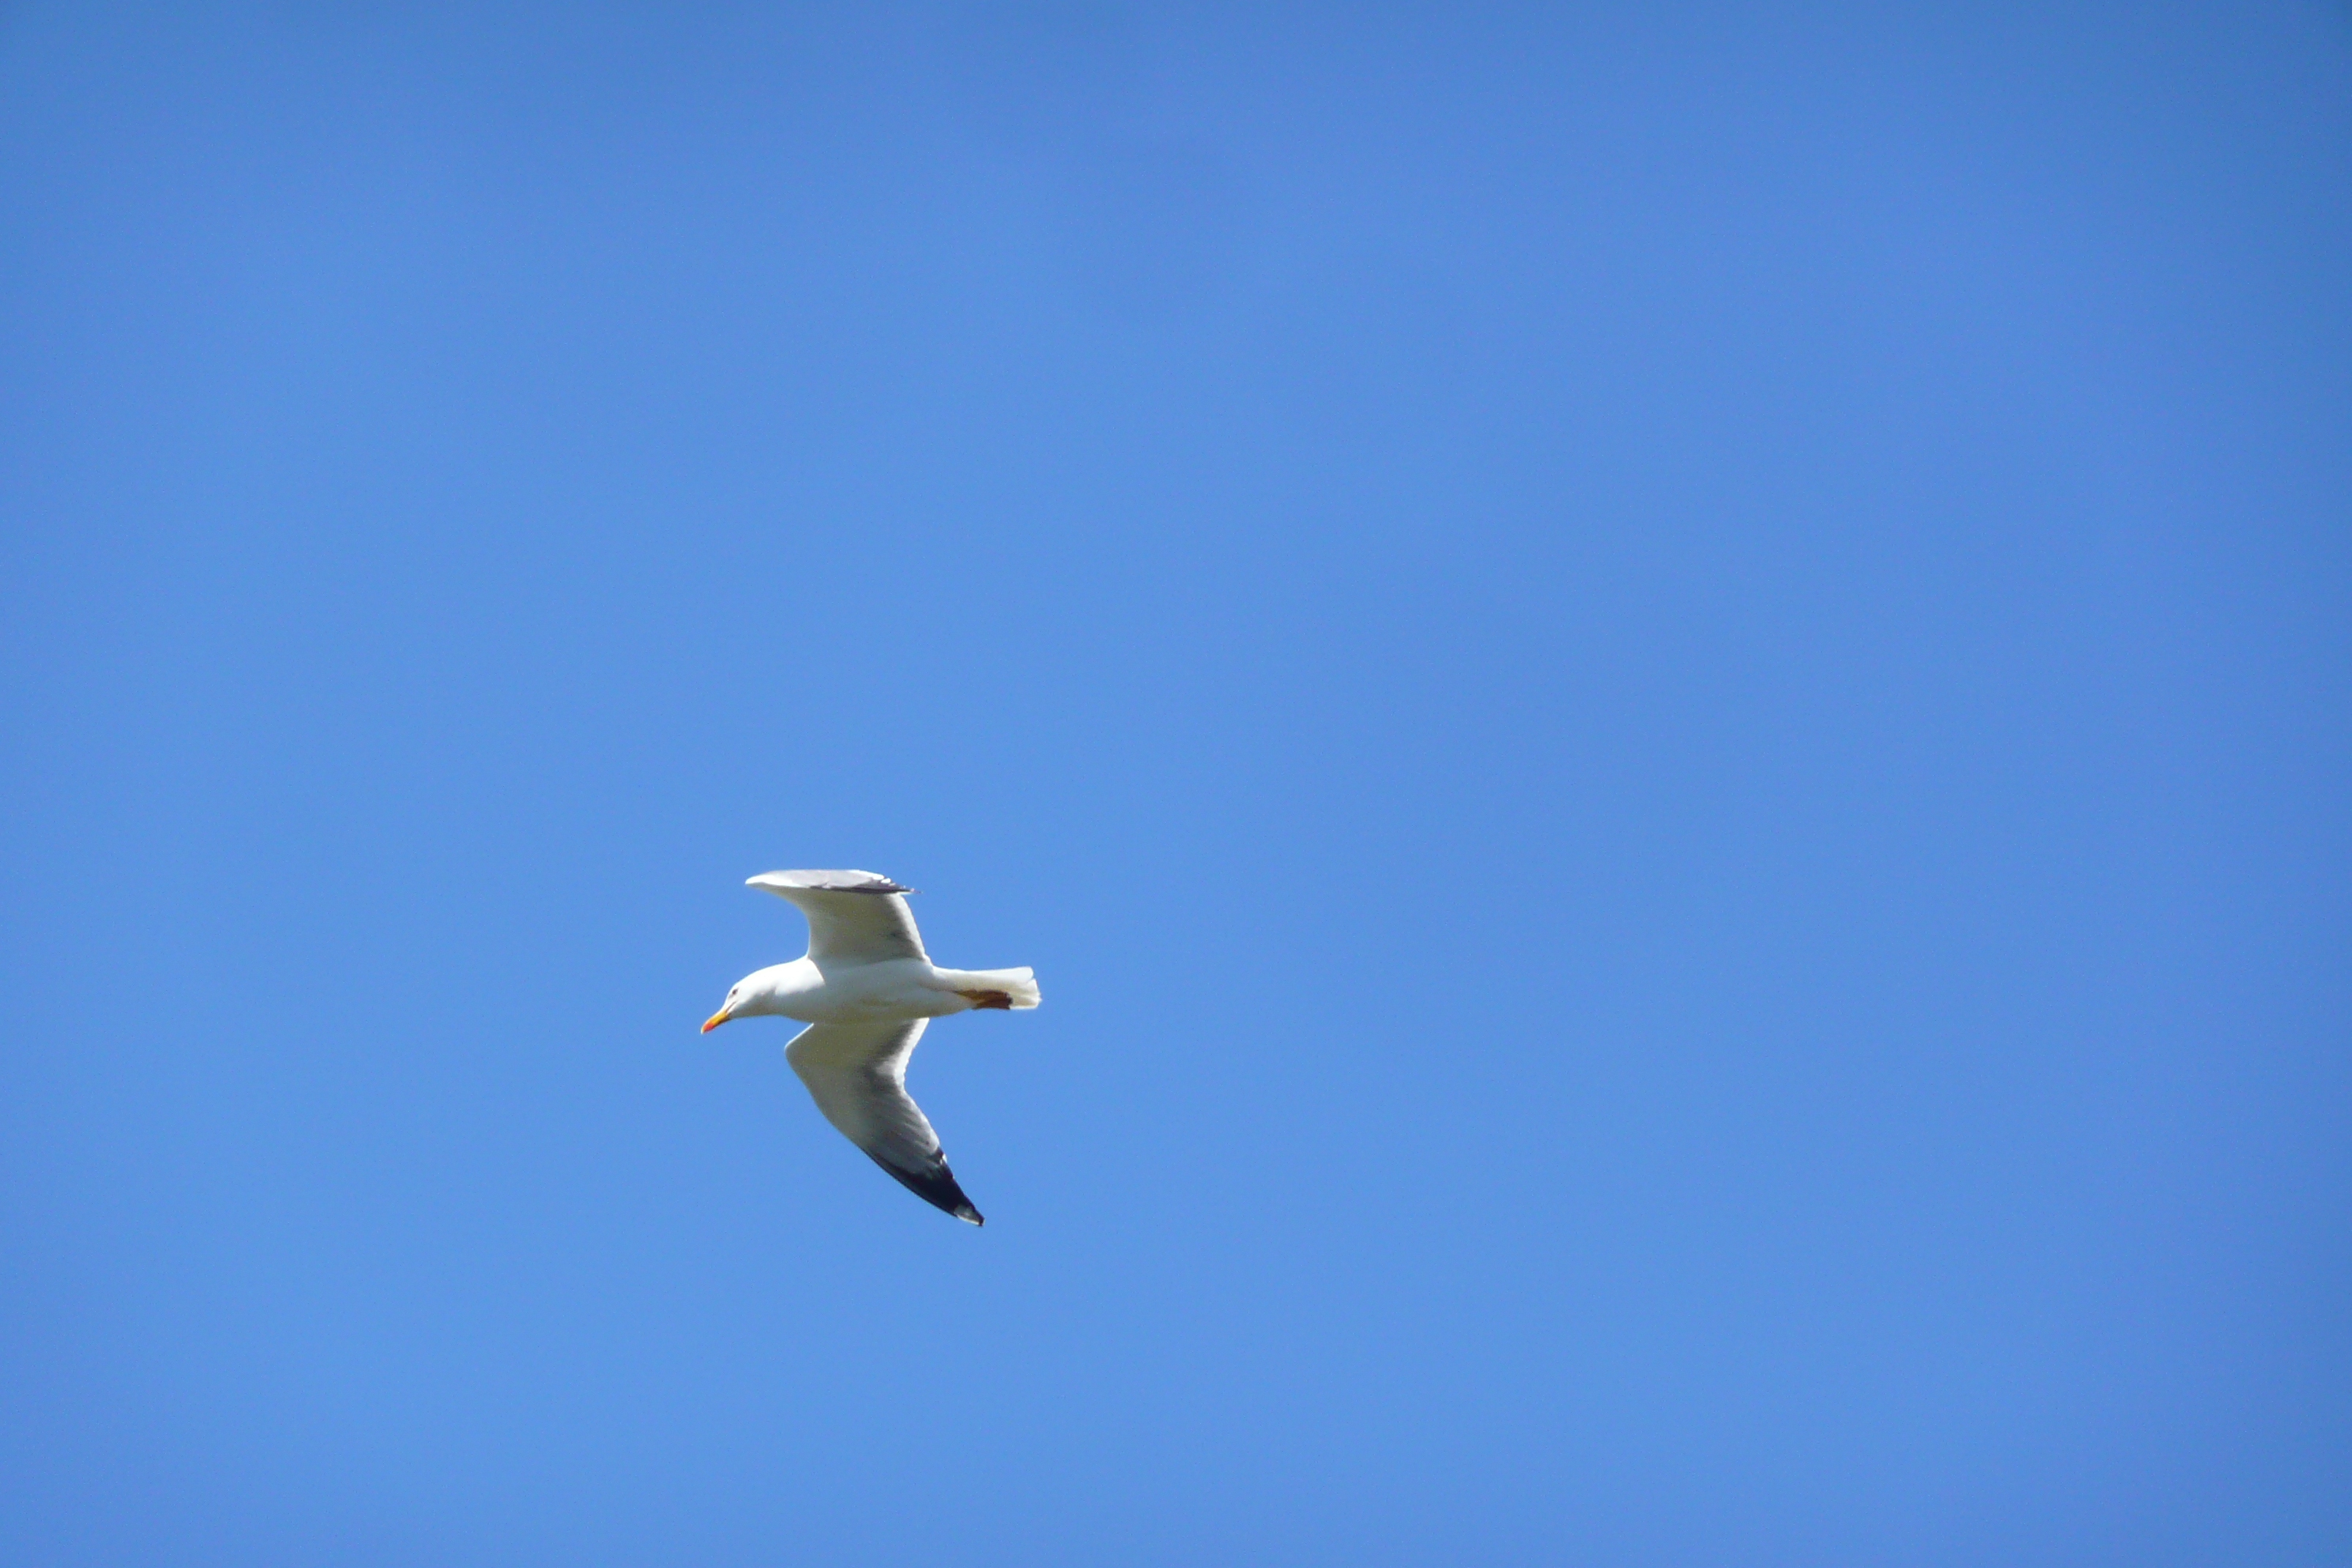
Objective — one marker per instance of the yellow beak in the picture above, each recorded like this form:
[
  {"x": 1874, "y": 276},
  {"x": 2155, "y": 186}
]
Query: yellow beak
[{"x": 714, "y": 1020}]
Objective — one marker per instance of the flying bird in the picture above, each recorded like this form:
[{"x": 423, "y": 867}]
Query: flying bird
[{"x": 866, "y": 991}]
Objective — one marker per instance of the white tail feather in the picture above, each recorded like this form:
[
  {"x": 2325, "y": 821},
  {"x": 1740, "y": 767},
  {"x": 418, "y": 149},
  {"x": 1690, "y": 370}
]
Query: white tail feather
[{"x": 1019, "y": 984}]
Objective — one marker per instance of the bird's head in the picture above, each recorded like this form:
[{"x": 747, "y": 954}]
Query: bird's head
[
  {"x": 763, "y": 991},
  {"x": 743, "y": 997}
]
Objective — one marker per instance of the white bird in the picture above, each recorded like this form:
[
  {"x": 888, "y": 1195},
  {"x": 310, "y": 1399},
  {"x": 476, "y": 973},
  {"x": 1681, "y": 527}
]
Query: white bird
[{"x": 865, "y": 990}]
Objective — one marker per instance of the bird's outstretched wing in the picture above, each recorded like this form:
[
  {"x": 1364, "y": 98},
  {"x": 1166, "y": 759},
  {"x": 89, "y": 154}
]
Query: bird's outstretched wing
[
  {"x": 858, "y": 1074},
  {"x": 855, "y": 917}
]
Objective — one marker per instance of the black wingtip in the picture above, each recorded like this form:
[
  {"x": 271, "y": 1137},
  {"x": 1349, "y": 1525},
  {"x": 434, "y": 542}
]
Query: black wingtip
[{"x": 935, "y": 1186}]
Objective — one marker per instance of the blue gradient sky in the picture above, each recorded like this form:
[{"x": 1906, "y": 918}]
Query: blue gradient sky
[{"x": 1661, "y": 691}]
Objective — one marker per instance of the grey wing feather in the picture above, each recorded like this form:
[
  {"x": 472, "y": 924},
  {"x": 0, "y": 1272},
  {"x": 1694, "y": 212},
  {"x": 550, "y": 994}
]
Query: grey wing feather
[
  {"x": 855, "y": 917},
  {"x": 857, "y": 1075},
  {"x": 832, "y": 882}
]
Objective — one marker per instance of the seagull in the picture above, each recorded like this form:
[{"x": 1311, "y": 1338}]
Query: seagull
[{"x": 865, "y": 990}]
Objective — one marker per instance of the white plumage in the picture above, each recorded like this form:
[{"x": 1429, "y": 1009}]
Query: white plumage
[{"x": 867, "y": 989}]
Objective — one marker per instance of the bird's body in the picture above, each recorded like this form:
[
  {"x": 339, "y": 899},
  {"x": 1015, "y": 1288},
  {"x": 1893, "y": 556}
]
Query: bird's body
[
  {"x": 894, "y": 990},
  {"x": 867, "y": 990}
]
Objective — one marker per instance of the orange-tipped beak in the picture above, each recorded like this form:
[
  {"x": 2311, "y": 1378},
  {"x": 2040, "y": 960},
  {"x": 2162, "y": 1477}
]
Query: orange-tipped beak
[{"x": 714, "y": 1020}]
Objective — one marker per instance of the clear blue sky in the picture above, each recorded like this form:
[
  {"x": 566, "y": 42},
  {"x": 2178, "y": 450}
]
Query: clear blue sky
[{"x": 1662, "y": 692}]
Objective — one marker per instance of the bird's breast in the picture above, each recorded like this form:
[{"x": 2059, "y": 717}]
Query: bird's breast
[{"x": 870, "y": 994}]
